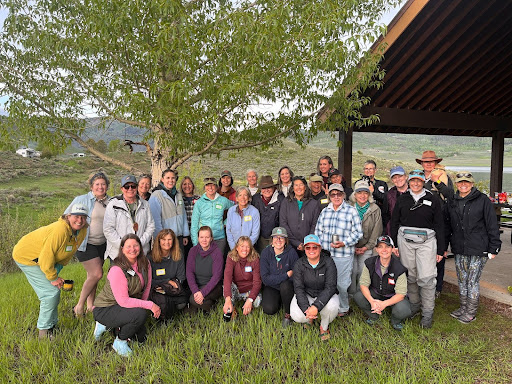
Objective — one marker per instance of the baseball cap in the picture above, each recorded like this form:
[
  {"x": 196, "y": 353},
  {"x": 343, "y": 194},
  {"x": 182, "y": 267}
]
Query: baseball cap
[
  {"x": 361, "y": 185},
  {"x": 337, "y": 187},
  {"x": 312, "y": 239},
  {"x": 386, "y": 240},
  {"x": 79, "y": 210},
  {"x": 396, "y": 171},
  {"x": 417, "y": 174},
  {"x": 128, "y": 179},
  {"x": 279, "y": 231},
  {"x": 464, "y": 176}
]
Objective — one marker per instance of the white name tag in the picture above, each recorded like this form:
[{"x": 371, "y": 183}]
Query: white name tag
[
  {"x": 324, "y": 201},
  {"x": 248, "y": 269},
  {"x": 131, "y": 272},
  {"x": 427, "y": 202},
  {"x": 218, "y": 206},
  {"x": 160, "y": 272},
  {"x": 247, "y": 218},
  {"x": 69, "y": 248}
]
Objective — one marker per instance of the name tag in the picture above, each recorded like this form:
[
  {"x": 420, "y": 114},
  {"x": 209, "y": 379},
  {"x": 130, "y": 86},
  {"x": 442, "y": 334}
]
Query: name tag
[
  {"x": 218, "y": 206},
  {"x": 160, "y": 272},
  {"x": 271, "y": 207},
  {"x": 248, "y": 269},
  {"x": 180, "y": 202},
  {"x": 247, "y": 218},
  {"x": 427, "y": 202},
  {"x": 391, "y": 281},
  {"x": 69, "y": 248},
  {"x": 324, "y": 201},
  {"x": 131, "y": 272}
]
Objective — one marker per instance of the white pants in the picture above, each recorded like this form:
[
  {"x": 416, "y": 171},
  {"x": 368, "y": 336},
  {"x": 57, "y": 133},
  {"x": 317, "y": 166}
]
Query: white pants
[{"x": 327, "y": 314}]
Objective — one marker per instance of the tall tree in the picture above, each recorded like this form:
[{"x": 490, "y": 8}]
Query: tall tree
[{"x": 196, "y": 77}]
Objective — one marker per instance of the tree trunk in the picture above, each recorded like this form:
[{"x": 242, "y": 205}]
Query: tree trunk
[{"x": 159, "y": 163}]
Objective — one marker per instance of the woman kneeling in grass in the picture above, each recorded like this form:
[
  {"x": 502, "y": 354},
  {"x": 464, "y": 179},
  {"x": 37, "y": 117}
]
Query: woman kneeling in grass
[
  {"x": 242, "y": 279},
  {"x": 123, "y": 302}
]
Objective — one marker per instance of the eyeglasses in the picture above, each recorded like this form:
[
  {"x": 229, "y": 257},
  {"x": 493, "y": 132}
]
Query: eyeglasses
[
  {"x": 278, "y": 238},
  {"x": 130, "y": 186},
  {"x": 311, "y": 247},
  {"x": 369, "y": 168},
  {"x": 463, "y": 174},
  {"x": 336, "y": 194}
]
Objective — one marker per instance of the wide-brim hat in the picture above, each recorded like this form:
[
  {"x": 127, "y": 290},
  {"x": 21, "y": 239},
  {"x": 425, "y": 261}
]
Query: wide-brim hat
[
  {"x": 266, "y": 182},
  {"x": 429, "y": 156}
]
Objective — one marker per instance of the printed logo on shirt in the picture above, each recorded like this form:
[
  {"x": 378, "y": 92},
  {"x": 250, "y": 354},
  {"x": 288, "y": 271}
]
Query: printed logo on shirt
[
  {"x": 391, "y": 281},
  {"x": 247, "y": 218},
  {"x": 218, "y": 206},
  {"x": 69, "y": 248},
  {"x": 248, "y": 269},
  {"x": 427, "y": 202},
  {"x": 160, "y": 272},
  {"x": 381, "y": 189}
]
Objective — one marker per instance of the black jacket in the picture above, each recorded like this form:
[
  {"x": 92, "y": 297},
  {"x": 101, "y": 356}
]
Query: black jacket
[
  {"x": 428, "y": 214},
  {"x": 473, "y": 225},
  {"x": 269, "y": 214},
  {"x": 298, "y": 224},
  {"x": 322, "y": 199},
  {"x": 319, "y": 282}
]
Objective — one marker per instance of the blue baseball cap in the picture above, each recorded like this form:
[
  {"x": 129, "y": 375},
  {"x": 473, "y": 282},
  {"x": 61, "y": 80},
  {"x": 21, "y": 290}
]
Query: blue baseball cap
[
  {"x": 312, "y": 239},
  {"x": 396, "y": 171},
  {"x": 417, "y": 174}
]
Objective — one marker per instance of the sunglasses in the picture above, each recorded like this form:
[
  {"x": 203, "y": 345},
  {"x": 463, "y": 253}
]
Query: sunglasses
[
  {"x": 463, "y": 174},
  {"x": 311, "y": 247},
  {"x": 417, "y": 173},
  {"x": 130, "y": 186},
  {"x": 335, "y": 194}
]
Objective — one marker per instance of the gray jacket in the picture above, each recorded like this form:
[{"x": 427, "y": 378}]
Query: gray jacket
[{"x": 371, "y": 224}]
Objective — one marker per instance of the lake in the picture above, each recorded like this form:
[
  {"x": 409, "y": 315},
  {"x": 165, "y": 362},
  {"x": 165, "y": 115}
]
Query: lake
[{"x": 483, "y": 174}]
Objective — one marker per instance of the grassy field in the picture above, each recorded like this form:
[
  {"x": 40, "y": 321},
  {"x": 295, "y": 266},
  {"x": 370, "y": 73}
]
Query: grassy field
[{"x": 254, "y": 349}]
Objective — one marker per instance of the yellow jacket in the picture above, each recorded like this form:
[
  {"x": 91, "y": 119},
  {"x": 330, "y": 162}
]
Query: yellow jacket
[{"x": 47, "y": 246}]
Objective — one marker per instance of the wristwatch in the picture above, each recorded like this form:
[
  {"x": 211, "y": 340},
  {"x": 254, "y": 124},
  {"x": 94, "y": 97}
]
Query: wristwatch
[{"x": 251, "y": 300}]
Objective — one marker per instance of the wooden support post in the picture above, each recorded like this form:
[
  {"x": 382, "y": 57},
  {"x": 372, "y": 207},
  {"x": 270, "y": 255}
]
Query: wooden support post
[
  {"x": 498, "y": 145},
  {"x": 345, "y": 154}
]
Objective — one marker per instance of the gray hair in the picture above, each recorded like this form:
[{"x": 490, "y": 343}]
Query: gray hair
[
  {"x": 239, "y": 190},
  {"x": 251, "y": 170}
]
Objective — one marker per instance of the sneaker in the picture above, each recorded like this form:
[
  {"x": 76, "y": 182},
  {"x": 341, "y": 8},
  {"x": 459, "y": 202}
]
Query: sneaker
[
  {"x": 121, "y": 347},
  {"x": 398, "y": 326},
  {"x": 99, "y": 329},
  {"x": 344, "y": 314},
  {"x": 426, "y": 322},
  {"x": 287, "y": 321},
  {"x": 371, "y": 321},
  {"x": 46, "y": 334}
]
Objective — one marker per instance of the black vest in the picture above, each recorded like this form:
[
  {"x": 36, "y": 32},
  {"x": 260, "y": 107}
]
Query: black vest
[{"x": 382, "y": 285}]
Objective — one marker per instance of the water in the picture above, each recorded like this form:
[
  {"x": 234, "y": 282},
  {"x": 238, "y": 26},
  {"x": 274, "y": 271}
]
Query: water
[{"x": 484, "y": 174}]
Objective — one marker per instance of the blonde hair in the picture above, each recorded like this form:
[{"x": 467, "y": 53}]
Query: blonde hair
[
  {"x": 253, "y": 255},
  {"x": 156, "y": 252}
]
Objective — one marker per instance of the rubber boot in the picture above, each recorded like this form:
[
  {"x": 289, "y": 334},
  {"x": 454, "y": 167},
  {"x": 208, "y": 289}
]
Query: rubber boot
[
  {"x": 459, "y": 312},
  {"x": 470, "y": 314}
]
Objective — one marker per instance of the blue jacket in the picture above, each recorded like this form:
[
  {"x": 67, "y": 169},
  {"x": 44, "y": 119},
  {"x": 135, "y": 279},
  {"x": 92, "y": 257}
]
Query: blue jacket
[
  {"x": 248, "y": 225},
  {"x": 168, "y": 213},
  {"x": 210, "y": 213},
  {"x": 274, "y": 272},
  {"x": 88, "y": 200}
]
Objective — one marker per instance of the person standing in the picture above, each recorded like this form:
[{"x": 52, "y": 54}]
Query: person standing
[
  {"x": 417, "y": 226},
  {"x": 284, "y": 180},
  {"x": 189, "y": 199},
  {"x": 243, "y": 219},
  {"x": 378, "y": 188},
  {"x": 125, "y": 214},
  {"x": 475, "y": 238},
  {"x": 226, "y": 186},
  {"x": 144, "y": 186},
  {"x": 339, "y": 229},
  {"x": 252, "y": 181},
  {"x": 168, "y": 209},
  {"x": 316, "y": 183},
  {"x": 399, "y": 178}
]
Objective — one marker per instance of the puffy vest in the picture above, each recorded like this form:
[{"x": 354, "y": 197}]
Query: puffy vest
[
  {"x": 384, "y": 285},
  {"x": 135, "y": 289}
]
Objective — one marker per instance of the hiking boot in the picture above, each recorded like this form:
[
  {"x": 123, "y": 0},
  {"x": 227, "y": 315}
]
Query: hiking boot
[
  {"x": 99, "y": 329},
  {"x": 397, "y": 326},
  {"x": 426, "y": 322},
  {"x": 46, "y": 334},
  {"x": 371, "y": 321},
  {"x": 459, "y": 312},
  {"x": 121, "y": 347}
]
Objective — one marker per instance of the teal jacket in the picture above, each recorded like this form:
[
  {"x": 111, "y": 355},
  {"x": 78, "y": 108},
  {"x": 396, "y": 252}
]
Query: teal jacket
[{"x": 210, "y": 213}]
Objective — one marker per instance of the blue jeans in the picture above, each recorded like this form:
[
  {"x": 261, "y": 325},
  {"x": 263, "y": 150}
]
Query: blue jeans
[{"x": 344, "y": 267}]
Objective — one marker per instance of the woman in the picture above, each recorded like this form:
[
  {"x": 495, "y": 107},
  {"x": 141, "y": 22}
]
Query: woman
[
  {"x": 314, "y": 281},
  {"x": 188, "y": 188},
  {"x": 323, "y": 167},
  {"x": 144, "y": 187},
  {"x": 209, "y": 211},
  {"x": 168, "y": 209},
  {"x": 417, "y": 224},
  {"x": 225, "y": 186},
  {"x": 123, "y": 303},
  {"x": 168, "y": 274},
  {"x": 204, "y": 271},
  {"x": 371, "y": 222},
  {"x": 475, "y": 237},
  {"x": 41, "y": 254},
  {"x": 284, "y": 180},
  {"x": 242, "y": 279},
  {"x": 267, "y": 202},
  {"x": 276, "y": 269},
  {"x": 243, "y": 219},
  {"x": 298, "y": 213},
  {"x": 252, "y": 181},
  {"x": 125, "y": 214},
  {"x": 91, "y": 252}
]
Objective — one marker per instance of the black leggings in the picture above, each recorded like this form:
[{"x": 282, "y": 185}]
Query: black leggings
[
  {"x": 272, "y": 298},
  {"x": 127, "y": 323}
]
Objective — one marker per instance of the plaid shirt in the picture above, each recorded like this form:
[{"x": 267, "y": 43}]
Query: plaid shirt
[{"x": 344, "y": 222}]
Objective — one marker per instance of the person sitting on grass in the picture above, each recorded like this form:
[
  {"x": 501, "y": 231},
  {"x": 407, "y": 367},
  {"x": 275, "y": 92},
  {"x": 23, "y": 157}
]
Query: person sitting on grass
[
  {"x": 242, "y": 279},
  {"x": 383, "y": 284},
  {"x": 123, "y": 303},
  {"x": 314, "y": 281}
]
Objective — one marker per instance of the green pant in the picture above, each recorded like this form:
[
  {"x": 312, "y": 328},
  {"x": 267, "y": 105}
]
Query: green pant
[{"x": 49, "y": 295}]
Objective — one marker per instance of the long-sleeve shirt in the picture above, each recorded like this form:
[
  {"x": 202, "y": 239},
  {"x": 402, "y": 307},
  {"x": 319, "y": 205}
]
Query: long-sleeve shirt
[
  {"x": 196, "y": 276},
  {"x": 345, "y": 223},
  {"x": 245, "y": 223},
  {"x": 245, "y": 274},
  {"x": 119, "y": 286}
]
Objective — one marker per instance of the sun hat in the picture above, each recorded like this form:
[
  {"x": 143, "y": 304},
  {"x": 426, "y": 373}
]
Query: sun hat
[
  {"x": 266, "y": 182},
  {"x": 429, "y": 156}
]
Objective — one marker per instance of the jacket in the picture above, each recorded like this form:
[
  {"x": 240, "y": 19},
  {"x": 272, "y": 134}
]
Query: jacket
[
  {"x": 427, "y": 214},
  {"x": 47, "y": 246},
  {"x": 269, "y": 214},
  {"x": 473, "y": 231},
  {"x": 248, "y": 225},
  {"x": 389, "y": 205},
  {"x": 371, "y": 224},
  {"x": 118, "y": 223},
  {"x": 210, "y": 213},
  {"x": 319, "y": 282},
  {"x": 88, "y": 200},
  {"x": 245, "y": 274},
  {"x": 168, "y": 213},
  {"x": 274, "y": 272},
  {"x": 166, "y": 270},
  {"x": 322, "y": 199},
  {"x": 298, "y": 224}
]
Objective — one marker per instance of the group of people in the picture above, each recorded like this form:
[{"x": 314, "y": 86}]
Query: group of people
[{"x": 304, "y": 247}]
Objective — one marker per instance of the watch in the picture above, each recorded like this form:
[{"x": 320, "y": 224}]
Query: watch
[{"x": 251, "y": 300}]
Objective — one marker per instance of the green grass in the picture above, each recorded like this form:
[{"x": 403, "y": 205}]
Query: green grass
[{"x": 253, "y": 349}]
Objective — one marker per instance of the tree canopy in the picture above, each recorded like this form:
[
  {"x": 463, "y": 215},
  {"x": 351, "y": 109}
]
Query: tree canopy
[{"x": 196, "y": 77}]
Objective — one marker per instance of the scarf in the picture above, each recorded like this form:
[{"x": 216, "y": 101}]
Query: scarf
[{"x": 362, "y": 210}]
